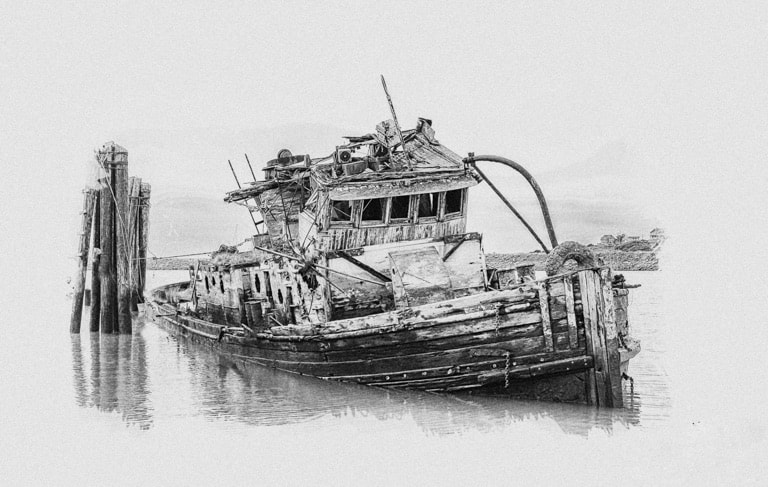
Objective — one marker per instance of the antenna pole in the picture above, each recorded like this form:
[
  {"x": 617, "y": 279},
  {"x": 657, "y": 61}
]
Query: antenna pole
[
  {"x": 397, "y": 125},
  {"x": 233, "y": 173},
  {"x": 250, "y": 167},
  {"x": 256, "y": 225}
]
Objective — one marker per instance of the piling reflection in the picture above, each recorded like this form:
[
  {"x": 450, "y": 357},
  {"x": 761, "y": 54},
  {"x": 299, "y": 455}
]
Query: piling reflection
[
  {"x": 195, "y": 381},
  {"x": 117, "y": 367}
]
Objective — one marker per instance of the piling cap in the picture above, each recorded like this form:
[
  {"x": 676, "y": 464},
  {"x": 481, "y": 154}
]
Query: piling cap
[{"x": 111, "y": 153}]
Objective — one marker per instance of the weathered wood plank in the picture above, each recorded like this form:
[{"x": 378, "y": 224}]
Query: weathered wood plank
[
  {"x": 590, "y": 330},
  {"x": 574, "y": 364},
  {"x": 144, "y": 195},
  {"x": 545, "y": 318},
  {"x": 608, "y": 324},
  {"x": 570, "y": 312},
  {"x": 134, "y": 203}
]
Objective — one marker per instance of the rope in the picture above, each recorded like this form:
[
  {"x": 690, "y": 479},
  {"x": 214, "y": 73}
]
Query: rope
[
  {"x": 122, "y": 227},
  {"x": 506, "y": 370}
]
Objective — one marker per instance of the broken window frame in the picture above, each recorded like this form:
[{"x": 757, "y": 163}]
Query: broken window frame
[
  {"x": 341, "y": 223},
  {"x": 384, "y": 212},
  {"x": 427, "y": 218},
  {"x": 444, "y": 205},
  {"x": 409, "y": 213}
]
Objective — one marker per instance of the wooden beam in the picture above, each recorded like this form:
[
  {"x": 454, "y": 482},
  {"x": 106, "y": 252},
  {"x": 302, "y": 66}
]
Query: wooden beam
[
  {"x": 82, "y": 261},
  {"x": 546, "y": 323},
  {"x": 590, "y": 336},
  {"x": 95, "y": 276},
  {"x": 108, "y": 276},
  {"x": 144, "y": 194},
  {"x": 452, "y": 250},
  {"x": 608, "y": 328},
  {"x": 134, "y": 201},
  {"x": 122, "y": 232},
  {"x": 370, "y": 270},
  {"x": 570, "y": 311}
]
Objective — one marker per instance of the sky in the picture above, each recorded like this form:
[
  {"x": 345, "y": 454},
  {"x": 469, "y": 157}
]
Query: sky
[{"x": 658, "y": 105}]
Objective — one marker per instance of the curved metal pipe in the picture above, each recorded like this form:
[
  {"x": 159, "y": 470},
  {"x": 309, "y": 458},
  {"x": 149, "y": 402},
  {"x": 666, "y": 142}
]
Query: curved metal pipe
[{"x": 472, "y": 159}]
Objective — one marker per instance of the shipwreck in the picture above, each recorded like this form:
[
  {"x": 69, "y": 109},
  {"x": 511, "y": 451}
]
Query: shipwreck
[{"x": 362, "y": 270}]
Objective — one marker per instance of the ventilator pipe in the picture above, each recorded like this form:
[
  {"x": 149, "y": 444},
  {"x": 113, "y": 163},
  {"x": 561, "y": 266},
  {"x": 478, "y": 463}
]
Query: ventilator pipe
[{"x": 471, "y": 159}]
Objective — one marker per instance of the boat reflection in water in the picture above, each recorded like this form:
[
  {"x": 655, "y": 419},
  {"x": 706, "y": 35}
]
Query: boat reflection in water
[{"x": 114, "y": 374}]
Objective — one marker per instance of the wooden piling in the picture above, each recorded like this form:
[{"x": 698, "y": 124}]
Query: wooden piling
[
  {"x": 95, "y": 308},
  {"x": 610, "y": 335},
  {"x": 107, "y": 272},
  {"x": 85, "y": 237},
  {"x": 134, "y": 189},
  {"x": 604, "y": 380},
  {"x": 144, "y": 194},
  {"x": 122, "y": 232}
]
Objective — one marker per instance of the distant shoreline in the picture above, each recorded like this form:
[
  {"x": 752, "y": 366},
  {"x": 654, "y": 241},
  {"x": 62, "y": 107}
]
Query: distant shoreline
[{"x": 616, "y": 259}]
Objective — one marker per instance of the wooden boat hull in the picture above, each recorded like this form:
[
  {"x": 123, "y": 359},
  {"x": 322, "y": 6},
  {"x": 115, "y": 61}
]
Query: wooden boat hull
[{"x": 553, "y": 340}]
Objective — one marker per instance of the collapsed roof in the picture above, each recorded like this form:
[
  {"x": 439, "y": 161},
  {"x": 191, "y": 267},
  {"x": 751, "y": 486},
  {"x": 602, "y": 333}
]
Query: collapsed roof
[{"x": 369, "y": 160}]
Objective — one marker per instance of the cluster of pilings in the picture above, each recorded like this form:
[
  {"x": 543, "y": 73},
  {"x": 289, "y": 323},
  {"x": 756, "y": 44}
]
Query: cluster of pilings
[{"x": 114, "y": 234}]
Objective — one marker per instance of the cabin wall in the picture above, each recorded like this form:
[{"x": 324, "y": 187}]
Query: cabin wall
[
  {"x": 347, "y": 238},
  {"x": 281, "y": 207},
  {"x": 285, "y": 295},
  {"x": 220, "y": 295},
  {"x": 335, "y": 235}
]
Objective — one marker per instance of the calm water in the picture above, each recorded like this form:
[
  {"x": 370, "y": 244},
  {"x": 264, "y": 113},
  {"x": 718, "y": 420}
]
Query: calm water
[
  {"x": 149, "y": 410},
  {"x": 151, "y": 378}
]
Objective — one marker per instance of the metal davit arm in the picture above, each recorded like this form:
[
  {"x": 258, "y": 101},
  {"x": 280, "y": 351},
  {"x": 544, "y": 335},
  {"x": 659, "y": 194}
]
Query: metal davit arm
[{"x": 472, "y": 159}]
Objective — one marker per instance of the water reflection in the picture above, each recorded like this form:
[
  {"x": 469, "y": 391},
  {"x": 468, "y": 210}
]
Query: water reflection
[
  {"x": 117, "y": 366},
  {"x": 190, "y": 380}
]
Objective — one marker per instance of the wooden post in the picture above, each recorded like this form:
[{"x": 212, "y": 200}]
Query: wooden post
[
  {"x": 106, "y": 269},
  {"x": 114, "y": 204},
  {"x": 144, "y": 194},
  {"x": 595, "y": 393},
  {"x": 546, "y": 323},
  {"x": 570, "y": 311},
  {"x": 95, "y": 259},
  {"x": 82, "y": 263},
  {"x": 134, "y": 188},
  {"x": 604, "y": 381},
  {"x": 608, "y": 331},
  {"x": 119, "y": 165}
]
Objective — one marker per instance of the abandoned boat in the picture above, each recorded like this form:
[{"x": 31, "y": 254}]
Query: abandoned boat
[{"x": 364, "y": 272}]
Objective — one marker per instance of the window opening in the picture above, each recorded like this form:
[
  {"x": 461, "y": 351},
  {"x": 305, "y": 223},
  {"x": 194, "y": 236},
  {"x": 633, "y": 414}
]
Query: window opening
[
  {"x": 257, "y": 282},
  {"x": 267, "y": 285},
  {"x": 207, "y": 286},
  {"x": 453, "y": 201},
  {"x": 399, "y": 210},
  {"x": 428, "y": 204},
  {"x": 373, "y": 210},
  {"x": 280, "y": 296},
  {"x": 341, "y": 211},
  {"x": 221, "y": 283}
]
